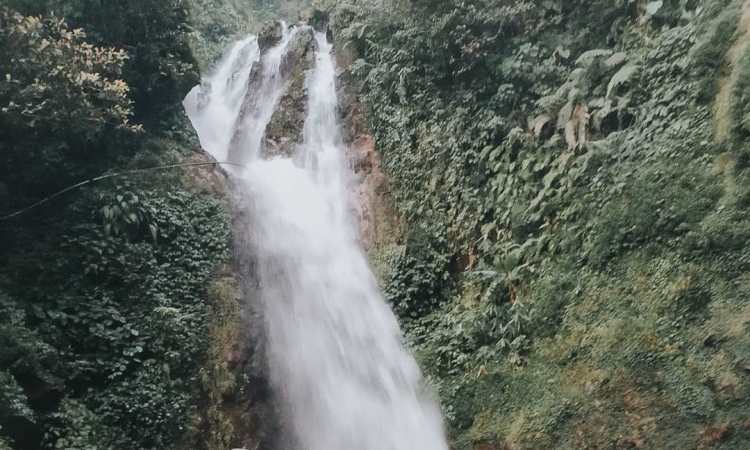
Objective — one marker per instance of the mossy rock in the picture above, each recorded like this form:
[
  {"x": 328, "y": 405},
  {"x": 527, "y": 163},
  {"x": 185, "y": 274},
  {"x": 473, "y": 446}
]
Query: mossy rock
[{"x": 284, "y": 132}]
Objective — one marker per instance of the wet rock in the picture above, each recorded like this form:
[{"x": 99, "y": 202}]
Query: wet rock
[
  {"x": 236, "y": 357},
  {"x": 301, "y": 49},
  {"x": 361, "y": 154},
  {"x": 210, "y": 179},
  {"x": 378, "y": 221},
  {"x": 286, "y": 127}
]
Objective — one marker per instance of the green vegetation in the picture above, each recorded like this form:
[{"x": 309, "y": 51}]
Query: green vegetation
[
  {"x": 159, "y": 66},
  {"x": 570, "y": 265},
  {"x": 104, "y": 292},
  {"x": 574, "y": 267},
  {"x": 216, "y": 23}
]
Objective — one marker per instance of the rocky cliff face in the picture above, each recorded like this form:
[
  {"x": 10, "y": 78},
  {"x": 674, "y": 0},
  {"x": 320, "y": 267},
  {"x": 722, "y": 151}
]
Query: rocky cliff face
[
  {"x": 234, "y": 408},
  {"x": 285, "y": 130},
  {"x": 379, "y": 223}
]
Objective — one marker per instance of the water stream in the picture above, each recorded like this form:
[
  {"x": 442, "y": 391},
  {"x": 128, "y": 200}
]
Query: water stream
[{"x": 335, "y": 354}]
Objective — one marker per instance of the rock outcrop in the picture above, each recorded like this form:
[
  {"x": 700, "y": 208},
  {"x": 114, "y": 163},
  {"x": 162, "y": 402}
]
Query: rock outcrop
[
  {"x": 284, "y": 131},
  {"x": 286, "y": 127},
  {"x": 380, "y": 227}
]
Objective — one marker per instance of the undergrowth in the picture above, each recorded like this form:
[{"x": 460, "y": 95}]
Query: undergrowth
[{"x": 573, "y": 274}]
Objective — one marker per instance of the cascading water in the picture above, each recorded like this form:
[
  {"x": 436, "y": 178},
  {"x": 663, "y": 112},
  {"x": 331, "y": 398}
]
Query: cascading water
[
  {"x": 250, "y": 129},
  {"x": 215, "y": 105},
  {"x": 334, "y": 347}
]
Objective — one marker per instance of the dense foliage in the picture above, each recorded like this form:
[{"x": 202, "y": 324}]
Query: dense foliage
[
  {"x": 572, "y": 175},
  {"x": 62, "y": 98},
  {"x": 216, "y": 23},
  {"x": 160, "y": 67},
  {"x": 104, "y": 293},
  {"x": 575, "y": 214}
]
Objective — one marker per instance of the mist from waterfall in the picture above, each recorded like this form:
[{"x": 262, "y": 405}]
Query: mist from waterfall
[{"x": 335, "y": 353}]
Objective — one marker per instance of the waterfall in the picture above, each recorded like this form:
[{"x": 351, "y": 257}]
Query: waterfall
[
  {"x": 214, "y": 106},
  {"x": 249, "y": 132},
  {"x": 334, "y": 348}
]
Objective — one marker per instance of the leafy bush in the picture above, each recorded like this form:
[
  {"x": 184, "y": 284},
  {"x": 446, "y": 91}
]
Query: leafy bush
[
  {"x": 418, "y": 278},
  {"x": 62, "y": 98},
  {"x": 160, "y": 67},
  {"x": 125, "y": 336},
  {"x": 54, "y": 75}
]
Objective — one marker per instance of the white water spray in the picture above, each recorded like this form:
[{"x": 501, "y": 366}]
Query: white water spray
[
  {"x": 214, "y": 106},
  {"x": 334, "y": 346},
  {"x": 250, "y": 131}
]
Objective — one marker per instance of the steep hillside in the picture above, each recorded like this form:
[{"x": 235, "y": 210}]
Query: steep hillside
[
  {"x": 120, "y": 320},
  {"x": 572, "y": 180}
]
